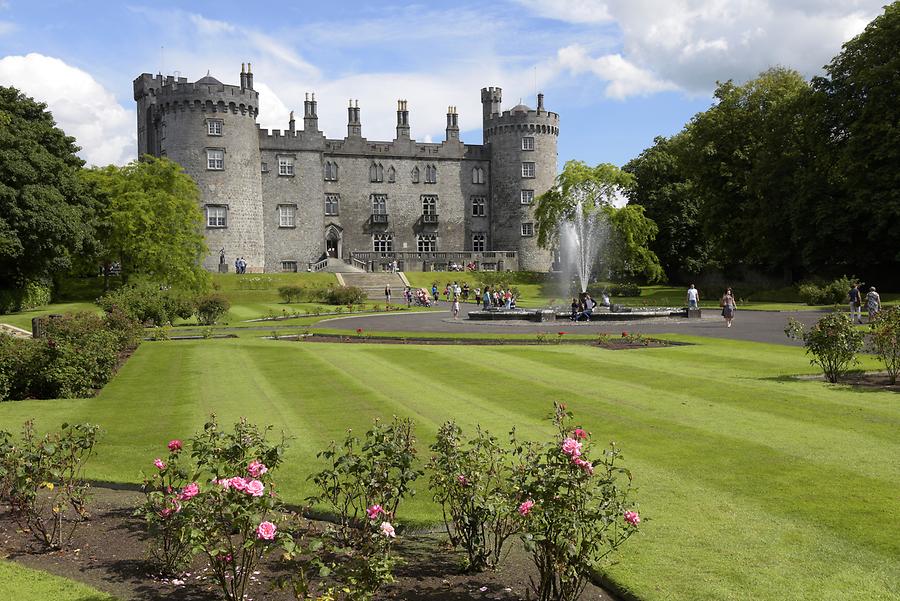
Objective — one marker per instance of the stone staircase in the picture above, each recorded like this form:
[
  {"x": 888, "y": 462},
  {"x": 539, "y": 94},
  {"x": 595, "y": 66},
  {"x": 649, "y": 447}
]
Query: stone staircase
[
  {"x": 374, "y": 283},
  {"x": 336, "y": 265}
]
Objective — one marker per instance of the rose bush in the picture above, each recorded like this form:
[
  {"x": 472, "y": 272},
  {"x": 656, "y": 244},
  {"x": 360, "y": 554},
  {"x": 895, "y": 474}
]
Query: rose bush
[{"x": 833, "y": 343}]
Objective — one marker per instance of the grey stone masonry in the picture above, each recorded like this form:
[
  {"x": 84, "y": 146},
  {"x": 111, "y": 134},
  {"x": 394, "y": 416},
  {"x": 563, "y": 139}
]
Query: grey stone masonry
[{"x": 284, "y": 199}]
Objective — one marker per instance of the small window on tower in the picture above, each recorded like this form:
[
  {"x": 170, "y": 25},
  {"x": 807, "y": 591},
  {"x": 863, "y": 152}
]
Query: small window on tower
[
  {"x": 477, "y": 175},
  {"x": 527, "y": 169},
  {"x": 214, "y": 127},
  {"x": 430, "y": 174},
  {"x": 478, "y": 244},
  {"x": 528, "y": 143},
  {"x": 527, "y": 197},
  {"x": 285, "y": 165},
  {"x": 478, "y": 206},
  {"x": 216, "y": 216},
  {"x": 286, "y": 215},
  {"x": 527, "y": 229},
  {"x": 215, "y": 159}
]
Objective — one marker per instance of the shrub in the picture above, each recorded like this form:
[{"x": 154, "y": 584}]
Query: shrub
[
  {"x": 886, "y": 340},
  {"x": 142, "y": 301},
  {"x": 211, "y": 307},
  {"x": 81, "y": 354},
  {"x": 573, "y": 510},
  {"x": 32, "y": 294},
  {"x": 345, "y": 295},
  {"x": 46, "y": 486},
  {"x": 291, "y": 294},
  {"x": 379, "y": 471},
  {"x": 621, "y": 289},
  {"x": 811, "y": 294},
  {"x": 833, "y": 343},
  {"x": 471, "y": 480},
  {"x": 832, "y": 293}
]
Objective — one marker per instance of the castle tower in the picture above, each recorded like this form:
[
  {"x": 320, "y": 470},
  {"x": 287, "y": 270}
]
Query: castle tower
[
  {"x": 209, "y": 128},
  {"x": 522, "y": 147}
]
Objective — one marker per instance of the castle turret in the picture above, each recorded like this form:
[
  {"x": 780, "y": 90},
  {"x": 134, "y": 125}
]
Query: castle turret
[
  {"x": 402, "y": 120},
  {"x": 209, "y": 128},
  {"x": 522, "y": 147}
]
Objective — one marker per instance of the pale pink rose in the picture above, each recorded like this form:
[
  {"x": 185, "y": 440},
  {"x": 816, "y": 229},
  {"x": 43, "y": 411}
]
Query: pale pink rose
[
  {"x": 571, "y": 447},
  {"x": 238, "y": 483},
  {"x": 189, "y": 492},
  {"x": 579, "y": 434},
  {"x": 159, "y": 463},
  {"x": 525, "y": 507},
  {"x": 463, "y": 481},
  {"x": 174, "y": 445},
  {"x": 374, "y": 511},
  {"x": 223, "y": 482},
  {"x": 387, "y": 530},
  {"x": 632, "y": 518},
  {"x": 266, "y": 531},
  {"x": 256, "y": 468},
  {"x": 255, "y": 488},
  {"x": 587, "y": 466}
]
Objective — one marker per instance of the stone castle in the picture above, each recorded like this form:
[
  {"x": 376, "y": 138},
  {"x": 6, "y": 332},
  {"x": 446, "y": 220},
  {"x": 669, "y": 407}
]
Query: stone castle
[{"x": 288, "y": 200}]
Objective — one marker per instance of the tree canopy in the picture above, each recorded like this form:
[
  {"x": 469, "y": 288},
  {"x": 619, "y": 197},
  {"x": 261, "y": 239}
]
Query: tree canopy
[
  {"x": 149, "y": 220},
  {"x": 44, "y": 215}
]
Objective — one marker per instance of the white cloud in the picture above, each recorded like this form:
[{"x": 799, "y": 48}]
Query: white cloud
[
  {"x": 694, "y": 43},
  {"x": 623, "y": 77},
  {"x": 81, "y": 106},
  {"x": 211, "y": 26},
  {"x": 573, "y": 11}
]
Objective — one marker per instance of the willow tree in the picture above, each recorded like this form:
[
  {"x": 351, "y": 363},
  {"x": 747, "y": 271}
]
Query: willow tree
[{"x": 593, "y": 190}]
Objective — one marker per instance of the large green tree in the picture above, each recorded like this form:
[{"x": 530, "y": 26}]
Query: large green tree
[
  {"x": 149, "y": 221},
  {"x": 860, "y": 110},
  {"x": 44, "y": 213},
  {"x": 595, "y": 189}
]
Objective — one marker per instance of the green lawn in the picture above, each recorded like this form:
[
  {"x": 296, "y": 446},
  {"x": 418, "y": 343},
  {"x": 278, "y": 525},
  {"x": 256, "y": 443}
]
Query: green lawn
[
  {"x": 753, "y": 485},
  {"x": 19, "y": 583}
]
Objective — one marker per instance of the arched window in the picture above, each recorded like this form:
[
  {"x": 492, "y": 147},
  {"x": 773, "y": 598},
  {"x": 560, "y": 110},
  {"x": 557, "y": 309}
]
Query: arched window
[
  {"x": 415, "y": 175},
  {"x": 430, "y": 174},
  {"x": 376, "y": 173},
  {"x": 392, "y": 174},
  {"x": 331, "y": 171},
  {"x": 477, "y": 175}
]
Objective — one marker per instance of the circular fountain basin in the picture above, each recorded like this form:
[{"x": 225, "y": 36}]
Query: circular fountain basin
[{"x": 617, "y": 313}]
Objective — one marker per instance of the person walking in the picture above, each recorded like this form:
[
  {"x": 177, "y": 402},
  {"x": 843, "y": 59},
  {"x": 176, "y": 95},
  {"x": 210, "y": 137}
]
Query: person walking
[
  {"x": 873, "y": 303},
  {"x": 855, "y": 297},
  {"x": 486, "y": 298},
  {"x": 728, "y": 307},
  {"x": 434, "y": 291},
  {"x": 454, "y": 308},
  {"x": 407, "y": 294},
  {"x": 387, "y": 294},
  {"x": 693, "y": 298}
]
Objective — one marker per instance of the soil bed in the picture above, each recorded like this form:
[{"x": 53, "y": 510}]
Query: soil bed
[
  {"x": 875, "y": 380},
  {"x": 612, "y": 344},
  {"x": 108, "y": 553}
]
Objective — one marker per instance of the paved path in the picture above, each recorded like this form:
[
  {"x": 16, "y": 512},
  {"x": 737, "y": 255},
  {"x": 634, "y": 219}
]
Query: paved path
[{"x": 756, "y": 326}]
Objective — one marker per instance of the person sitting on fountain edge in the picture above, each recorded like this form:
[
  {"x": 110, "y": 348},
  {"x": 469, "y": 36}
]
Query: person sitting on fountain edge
[
  {"x": 588, "y": 309},
  {"x": 576, "y": 309}
]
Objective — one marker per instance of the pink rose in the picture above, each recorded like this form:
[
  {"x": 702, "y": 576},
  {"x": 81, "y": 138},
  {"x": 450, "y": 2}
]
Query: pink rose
[
  {"x": 387, "y": 530},
  {"x": 159, "y": 463},
  {"x": 525, "y": 507},
  {"x": 463, "y": 481},
  {"x": 374, "y": 511},
  {"x": 256, "y": 468},
  {"x": 255, "y": 488},
  {"x": 174, "y": 445},
  {"x": 571, "y": 447},
  {"x": 223, "y": 482},
  {"x": 579, "y": 434},
  {"x": 266, "y": 531},
  {"x": 189, "y": 492},
  {"x": 587, "y": 466},
  {"x": 632, "y": 518},
  {"x": 238, "y": 483}
]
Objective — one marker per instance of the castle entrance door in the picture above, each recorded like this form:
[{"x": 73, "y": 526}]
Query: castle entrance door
[{"x": 333, "y": 236}]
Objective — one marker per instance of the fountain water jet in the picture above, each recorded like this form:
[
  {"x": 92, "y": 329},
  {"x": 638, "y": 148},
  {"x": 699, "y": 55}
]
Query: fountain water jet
[{"x": 584, "y": 236}]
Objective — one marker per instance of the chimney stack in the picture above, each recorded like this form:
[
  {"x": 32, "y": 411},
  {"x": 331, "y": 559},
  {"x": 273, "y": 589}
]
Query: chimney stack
[
  {"x": 354, "y": 127},
  {"x": 291, "y": 123},
  {"x": 452, "y": 132},
  {"x": 540, "y": 106},
  {"x": 243, "y": 76},
  {"x": 249, "y": 77},
  {"x": 402, "y": 121},
  {"x": 310, "y": 114}
]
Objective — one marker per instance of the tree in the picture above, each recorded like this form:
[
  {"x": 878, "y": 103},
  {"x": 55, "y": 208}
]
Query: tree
[
  {"x": 594, "y": 189},
  {"x": 149, "y": 220},
  {"x": 44, "y": 213},
  {"x": 861, "y": 118},
  {"x": 664, "y": 188}
]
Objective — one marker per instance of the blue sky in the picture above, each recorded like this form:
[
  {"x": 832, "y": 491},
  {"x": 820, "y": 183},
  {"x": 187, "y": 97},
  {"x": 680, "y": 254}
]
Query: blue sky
[{"x": 619, "y": 72}]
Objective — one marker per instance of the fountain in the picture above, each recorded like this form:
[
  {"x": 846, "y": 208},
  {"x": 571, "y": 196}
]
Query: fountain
[{"x": 583, "y": 236}]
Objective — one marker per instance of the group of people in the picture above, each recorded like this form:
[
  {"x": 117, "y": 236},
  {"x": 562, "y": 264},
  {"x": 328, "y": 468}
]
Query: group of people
[
  {"x": 498, "y": 298},
  {"x": 872, "y": 301},
  {"x": 419, "y": 296},
  {"x": 727, "y": 302},
  {"x": 583, "y": 306},
  {"x": 240, "y": 265}
]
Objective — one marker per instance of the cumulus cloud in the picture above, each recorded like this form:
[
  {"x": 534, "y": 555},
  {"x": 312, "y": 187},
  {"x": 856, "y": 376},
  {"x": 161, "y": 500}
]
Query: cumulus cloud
[
  {"x": 573, "y": 11},
  {"x": 82, "y": 107},
  {"x": 692, "y": 44},
  {"x": 623, "y": 77}
]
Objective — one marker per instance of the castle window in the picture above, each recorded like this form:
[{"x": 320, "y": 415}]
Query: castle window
[
  {"x": 527, "y": 230},
  {"x": 383, "y": 243},
  {"x": 216, "y": 216},
  {"x": 286, "y": 215},
  {"x": 426, "y": 243},
  {"x": 430, "y": 174},
  {"x": 429, "y": 204},
  {"x": 415, "y": 175},
  {"x": 332, "y": 204},
  {"x": 477, "y": 175},
  {"x": 214, "y": 127},
  {"x": 285, "y": 165},
  {"x": 289, "y": 266},
  {"x": 527, "y": 169},
  {"x": 376, "y": 173},
  {"x": 215, "y": 159},
  {"x": 379, "y": 204},
  {"x": 528, "y": 143},
  {"x": 331, "y": 171},
  {"x": 478, "y": 244},
  {"x": 478, "y": 206},
  {"x": 264, "y": 167},
  {"x": 527, "y": 197},
  {"x": 392, "y": 175}
]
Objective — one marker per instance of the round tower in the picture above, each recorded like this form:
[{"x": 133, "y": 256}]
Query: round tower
[
  {"x": 522, "y": 146},
  {"x": 209, "y": 128}
]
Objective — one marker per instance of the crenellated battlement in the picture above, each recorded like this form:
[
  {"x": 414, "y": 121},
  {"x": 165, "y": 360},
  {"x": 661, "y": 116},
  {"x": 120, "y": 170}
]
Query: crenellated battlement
[{"x": 170, "y": 94}]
